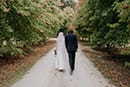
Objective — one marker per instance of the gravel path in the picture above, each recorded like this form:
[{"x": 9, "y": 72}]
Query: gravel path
[{"x": 44, "y": 74}]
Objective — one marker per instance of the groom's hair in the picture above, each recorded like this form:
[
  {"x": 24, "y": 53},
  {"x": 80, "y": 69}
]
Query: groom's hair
[{"x": 70, "y": 31}]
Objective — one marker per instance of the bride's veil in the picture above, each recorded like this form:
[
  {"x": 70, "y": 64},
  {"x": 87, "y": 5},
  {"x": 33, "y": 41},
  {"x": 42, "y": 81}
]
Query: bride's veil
[
  {"x": 60, "y": 40},
  {"x": 60, "y": 35}
]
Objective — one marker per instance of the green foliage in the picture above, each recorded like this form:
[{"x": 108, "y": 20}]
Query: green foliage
[
  {"x": 104, "y": 23},
  {"x": 123, "y": 8},
  {"x": 24, "y": 23},
  {"x": 127, "y": 64},
  {"x": 67, "y": 3}
]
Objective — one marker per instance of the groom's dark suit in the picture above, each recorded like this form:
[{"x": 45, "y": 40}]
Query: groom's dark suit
[{"x": 71, "y": 45}]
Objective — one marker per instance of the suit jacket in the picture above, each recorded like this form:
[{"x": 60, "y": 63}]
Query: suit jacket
[{"x": 71, "y": 42}]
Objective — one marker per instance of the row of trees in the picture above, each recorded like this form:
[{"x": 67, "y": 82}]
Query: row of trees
[
  {"x": 106, "y": 23},
  {"x": 24, "y": 23}
]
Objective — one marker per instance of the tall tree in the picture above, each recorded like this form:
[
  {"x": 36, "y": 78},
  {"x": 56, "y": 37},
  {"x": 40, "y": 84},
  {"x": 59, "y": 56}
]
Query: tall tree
[
  {"x": 24, "y": 23},
  {"x": 99, "y": 21}
]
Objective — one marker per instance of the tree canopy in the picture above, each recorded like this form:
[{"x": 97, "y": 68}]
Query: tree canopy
[
  {"x": 28, "y": 22},
  {"x": 105, "y": 22}
]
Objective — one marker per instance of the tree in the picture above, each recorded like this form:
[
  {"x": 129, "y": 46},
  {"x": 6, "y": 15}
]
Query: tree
[
  {"x": 67, "y": 3},
  {"x": 98, "y": 20},
  {"x": 25, "y": 23}
]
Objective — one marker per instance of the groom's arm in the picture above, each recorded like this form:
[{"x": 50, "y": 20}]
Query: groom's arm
[
  {"x": 65, "y": 41},
  {"x": 76, "y": 41}
]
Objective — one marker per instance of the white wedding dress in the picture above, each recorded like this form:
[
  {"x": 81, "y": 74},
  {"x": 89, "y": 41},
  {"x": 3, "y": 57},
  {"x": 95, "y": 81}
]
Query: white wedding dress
[{"x": 61, "y": 58}]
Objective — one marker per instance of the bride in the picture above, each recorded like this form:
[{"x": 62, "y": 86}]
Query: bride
[{"x": 61, "y": 52}]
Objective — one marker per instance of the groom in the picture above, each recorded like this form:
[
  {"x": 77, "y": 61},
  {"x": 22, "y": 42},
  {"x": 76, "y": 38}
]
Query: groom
[{"x": 71, "y": 46}]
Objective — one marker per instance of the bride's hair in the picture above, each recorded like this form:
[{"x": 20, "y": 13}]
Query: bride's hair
[{"x": 70, "y": 31}]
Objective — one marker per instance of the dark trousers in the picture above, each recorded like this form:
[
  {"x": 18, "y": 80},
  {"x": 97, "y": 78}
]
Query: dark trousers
[{"x": 72, "y": 59}]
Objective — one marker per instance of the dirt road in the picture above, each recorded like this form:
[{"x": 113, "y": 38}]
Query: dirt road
[{"x": 44, "y": 74}]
